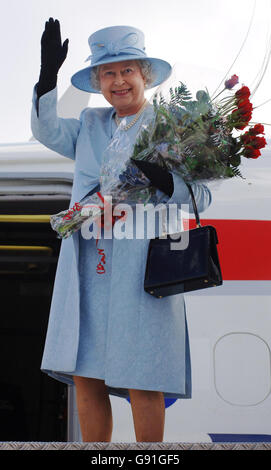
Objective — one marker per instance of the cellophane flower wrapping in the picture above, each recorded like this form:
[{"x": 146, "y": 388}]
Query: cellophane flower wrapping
[
  {"x": 120, "y": 177},
  {"x": 66, "y": 222},
  {"x": 198, "y": 137}
]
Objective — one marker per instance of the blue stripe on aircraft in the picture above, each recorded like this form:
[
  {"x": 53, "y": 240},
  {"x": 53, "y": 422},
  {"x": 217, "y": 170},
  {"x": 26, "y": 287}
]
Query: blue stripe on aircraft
[{"x": 240, "y": 437}]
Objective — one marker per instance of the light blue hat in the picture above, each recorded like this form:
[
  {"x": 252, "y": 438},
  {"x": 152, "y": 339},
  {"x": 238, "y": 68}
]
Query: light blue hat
[{"x": 117, "y": 44}]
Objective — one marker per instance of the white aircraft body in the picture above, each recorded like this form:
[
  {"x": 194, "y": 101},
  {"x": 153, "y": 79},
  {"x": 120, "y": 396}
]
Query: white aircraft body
[{"x": 229, "y": 326}]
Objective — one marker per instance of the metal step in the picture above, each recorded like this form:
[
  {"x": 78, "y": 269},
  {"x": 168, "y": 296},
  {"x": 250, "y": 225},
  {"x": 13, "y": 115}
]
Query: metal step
[{"x": 133, "y": 446}]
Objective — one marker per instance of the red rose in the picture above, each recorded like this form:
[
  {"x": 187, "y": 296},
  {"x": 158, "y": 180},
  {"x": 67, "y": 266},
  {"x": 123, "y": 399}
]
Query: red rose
[
  {"x": 243, "y": 93},
  {"x": 245, "y": 106},
  {"x": 251, "y": 152},
  {"x": 241, "y": 101},
  {"x": 242, "y": 113},
  {"x": 256, "y": 155},
  {"x": 245, "y": 117},
  {"x": 246, "y": 138},
  {"x": 258, "y": 142},
  {"x": 242, "y": 124},
  {"x": 257, "y": 129}
]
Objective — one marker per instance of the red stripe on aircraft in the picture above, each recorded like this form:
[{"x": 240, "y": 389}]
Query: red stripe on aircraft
[{"x": 244, "y": 248}]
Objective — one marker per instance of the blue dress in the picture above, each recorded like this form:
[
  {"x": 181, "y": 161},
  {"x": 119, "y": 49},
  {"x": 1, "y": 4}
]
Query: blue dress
[
  {"x": 94, "y": 307},
  {"x": 105, "y": 325}
]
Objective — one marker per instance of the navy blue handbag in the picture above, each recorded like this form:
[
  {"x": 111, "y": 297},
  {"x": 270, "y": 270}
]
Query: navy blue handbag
[{"x": 174, "y": 271}]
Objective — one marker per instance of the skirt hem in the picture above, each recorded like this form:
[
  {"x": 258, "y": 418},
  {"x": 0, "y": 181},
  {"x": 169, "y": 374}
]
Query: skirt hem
[{"x": 121, "y": 392}]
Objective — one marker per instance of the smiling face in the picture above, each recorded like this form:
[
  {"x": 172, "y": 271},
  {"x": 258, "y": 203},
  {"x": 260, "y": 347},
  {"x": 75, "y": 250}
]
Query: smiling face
[{"x": 122, "y": 84}]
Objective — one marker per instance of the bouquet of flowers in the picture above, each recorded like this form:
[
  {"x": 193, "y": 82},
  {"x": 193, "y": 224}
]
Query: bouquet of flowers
[
  {"x": 199, "y": 139},
  {"x": 195, "y": 138}
]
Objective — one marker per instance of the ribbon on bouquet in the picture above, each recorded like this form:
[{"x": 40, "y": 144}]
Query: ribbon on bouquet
[{"x": 100, "y": 266}]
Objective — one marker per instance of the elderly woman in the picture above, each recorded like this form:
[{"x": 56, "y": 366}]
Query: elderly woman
[{"x": 106, "y": 335}]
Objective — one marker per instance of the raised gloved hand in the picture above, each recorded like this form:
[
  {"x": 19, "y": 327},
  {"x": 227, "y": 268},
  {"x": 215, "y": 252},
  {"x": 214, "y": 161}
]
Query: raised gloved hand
[
  {"x": 159, "y": 177},
  {"x": 53, "y": 54}
]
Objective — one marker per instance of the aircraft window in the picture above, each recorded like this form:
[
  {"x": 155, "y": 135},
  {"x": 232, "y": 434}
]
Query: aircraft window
[{"x": 242, "y": 369}]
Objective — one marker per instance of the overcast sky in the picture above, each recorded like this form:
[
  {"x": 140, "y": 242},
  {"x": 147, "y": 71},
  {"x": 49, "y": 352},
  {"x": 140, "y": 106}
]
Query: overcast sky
[{"x": 202, "y": 37}]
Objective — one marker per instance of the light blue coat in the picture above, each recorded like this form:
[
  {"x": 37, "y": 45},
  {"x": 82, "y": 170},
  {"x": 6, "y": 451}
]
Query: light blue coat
[{"x": 147, "y": 341}]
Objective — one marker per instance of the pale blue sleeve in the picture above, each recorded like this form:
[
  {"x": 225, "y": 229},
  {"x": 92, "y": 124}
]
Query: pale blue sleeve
[
  {"x": 56, "y": 133},
  {"x": 181, "y": 194}
]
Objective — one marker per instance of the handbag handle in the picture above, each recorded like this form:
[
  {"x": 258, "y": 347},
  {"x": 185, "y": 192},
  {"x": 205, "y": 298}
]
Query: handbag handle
[{"x": 194, "y": 205}]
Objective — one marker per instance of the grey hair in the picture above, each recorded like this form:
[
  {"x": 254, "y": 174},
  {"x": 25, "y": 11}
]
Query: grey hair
[{"x": 145, "y": 66}]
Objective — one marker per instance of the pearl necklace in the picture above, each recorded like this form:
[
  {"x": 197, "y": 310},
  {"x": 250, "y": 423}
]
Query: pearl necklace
[{"x": 138, "y": 114}]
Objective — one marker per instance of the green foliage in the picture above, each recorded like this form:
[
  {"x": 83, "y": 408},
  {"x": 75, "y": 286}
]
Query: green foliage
[{"x": 190, "y": 137}]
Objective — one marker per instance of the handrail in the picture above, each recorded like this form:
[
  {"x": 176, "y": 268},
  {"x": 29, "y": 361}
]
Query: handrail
[
  {"x": 25, "y": 248},
  {"x": 28, "y": 218}
]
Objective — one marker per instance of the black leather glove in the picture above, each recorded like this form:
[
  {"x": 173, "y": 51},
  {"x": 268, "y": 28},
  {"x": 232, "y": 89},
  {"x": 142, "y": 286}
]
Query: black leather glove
[
  {"x": 53, "y": 54},
  {"x": 159, "y": 177}
]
